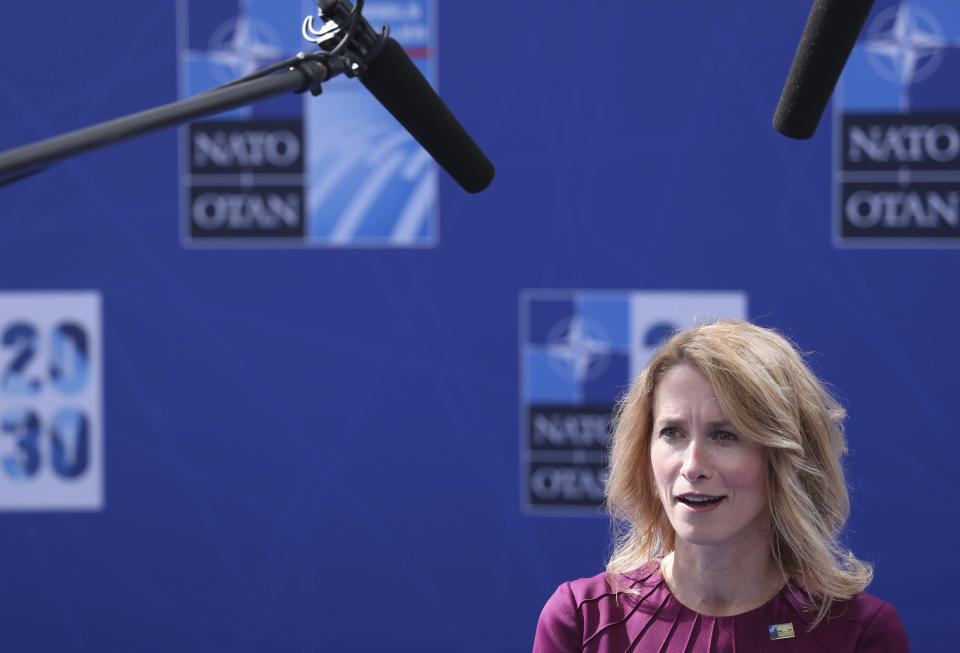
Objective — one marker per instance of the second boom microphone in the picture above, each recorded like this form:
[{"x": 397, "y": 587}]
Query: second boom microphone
[{"x": 829, "y": 36}]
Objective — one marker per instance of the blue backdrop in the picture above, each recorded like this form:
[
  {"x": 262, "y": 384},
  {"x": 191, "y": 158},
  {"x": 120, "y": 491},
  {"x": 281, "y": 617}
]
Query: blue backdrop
[{"x": 320, "y": 448}]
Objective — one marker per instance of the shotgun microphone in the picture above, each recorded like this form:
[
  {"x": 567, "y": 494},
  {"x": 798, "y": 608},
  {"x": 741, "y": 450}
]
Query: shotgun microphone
[
  {"x": 395, "y": 81},
  {"x": 828, "y": 38}
]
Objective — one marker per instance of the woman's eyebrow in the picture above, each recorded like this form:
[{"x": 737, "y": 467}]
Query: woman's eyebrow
[
  {"x": 668, "y": 419},
  {"x": 720, "y": 424}
]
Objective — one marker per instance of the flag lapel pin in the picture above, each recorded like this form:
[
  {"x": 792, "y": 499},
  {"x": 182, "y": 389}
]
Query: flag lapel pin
[{"x": 781, "y": 631}]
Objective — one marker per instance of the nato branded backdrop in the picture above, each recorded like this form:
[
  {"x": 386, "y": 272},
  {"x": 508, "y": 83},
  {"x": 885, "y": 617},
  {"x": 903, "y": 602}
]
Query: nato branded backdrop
[{"x": 274, "y": 382}]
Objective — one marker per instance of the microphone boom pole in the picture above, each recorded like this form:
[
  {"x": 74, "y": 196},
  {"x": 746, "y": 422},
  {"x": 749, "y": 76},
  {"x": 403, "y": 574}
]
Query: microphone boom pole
[
  {"x": 349, "y": 45},
  {"x": 27, "y": 160}
]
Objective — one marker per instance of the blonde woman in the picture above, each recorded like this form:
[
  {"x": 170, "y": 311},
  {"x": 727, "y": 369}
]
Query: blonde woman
[{"x": 727, "y": 494}]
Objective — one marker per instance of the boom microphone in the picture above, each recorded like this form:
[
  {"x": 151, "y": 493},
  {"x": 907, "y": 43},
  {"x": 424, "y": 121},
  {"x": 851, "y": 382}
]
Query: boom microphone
[
  {"x": 397, "y": 83},
  {"x": 392, "y": 77},
  {"x": 828, "y": 38}
]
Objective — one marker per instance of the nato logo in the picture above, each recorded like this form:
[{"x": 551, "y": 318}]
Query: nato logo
[
  {"x": 51, "y": 404},
  {"x": 296, "y": 170},
  {"x": 897, "y": 129},
  {"x": 579, "y": 351}
]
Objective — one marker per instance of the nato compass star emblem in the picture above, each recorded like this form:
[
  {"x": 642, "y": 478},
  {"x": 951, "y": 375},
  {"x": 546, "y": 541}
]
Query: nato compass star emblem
[
  {"x": 243, "y": 45},
  {"x": 578, "y": 349},
  {"x": 905, "y": 45}
]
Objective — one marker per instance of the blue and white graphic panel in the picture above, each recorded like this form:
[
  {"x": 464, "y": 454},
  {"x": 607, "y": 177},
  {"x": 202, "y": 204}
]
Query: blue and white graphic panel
[
  {"x": 335, "y": 170},
  {"x": 51, "y": 415},
  {"x": 654, "y": 316},
  {"x": 579, "y": 351},
  {"x": 897, "y": 129}
]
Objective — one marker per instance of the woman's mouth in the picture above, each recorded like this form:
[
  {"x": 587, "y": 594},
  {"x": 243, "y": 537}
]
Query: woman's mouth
[{"x": 700, "y": 502}]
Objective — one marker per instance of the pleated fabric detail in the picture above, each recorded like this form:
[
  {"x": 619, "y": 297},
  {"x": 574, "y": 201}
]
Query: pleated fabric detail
[
  {"x": 652, "y": 620},
  {"x": 589, "y": 615}
]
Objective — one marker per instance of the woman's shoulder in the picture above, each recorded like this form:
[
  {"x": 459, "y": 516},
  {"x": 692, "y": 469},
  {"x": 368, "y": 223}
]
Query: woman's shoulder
[
  {"x": 599, "y": 586},
  {"x": 881, "y": 627},
  {"x": 863, "y": 623},
  {"x": 580, "y": 610},
  {"x": 865, "y": 607}
]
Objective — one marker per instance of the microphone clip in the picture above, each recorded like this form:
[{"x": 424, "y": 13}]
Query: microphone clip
[{"x": 347, "y": 39}]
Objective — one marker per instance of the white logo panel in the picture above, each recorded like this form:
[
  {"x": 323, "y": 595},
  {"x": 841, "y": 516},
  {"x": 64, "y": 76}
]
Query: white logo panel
[
  {"x": 654, "y": 316},
  {"x": 51, "y": 415}
]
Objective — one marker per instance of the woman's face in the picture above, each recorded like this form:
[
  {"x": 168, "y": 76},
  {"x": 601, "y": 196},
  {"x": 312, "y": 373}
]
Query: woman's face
[{"x": 711, "y": 480}]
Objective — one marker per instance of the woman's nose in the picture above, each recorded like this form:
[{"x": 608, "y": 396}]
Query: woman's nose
[{"x": 696, "y": 461}]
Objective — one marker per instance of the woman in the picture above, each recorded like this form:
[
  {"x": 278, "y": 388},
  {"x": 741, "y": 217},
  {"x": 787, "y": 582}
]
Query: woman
[{"x": 728, "y": 493}]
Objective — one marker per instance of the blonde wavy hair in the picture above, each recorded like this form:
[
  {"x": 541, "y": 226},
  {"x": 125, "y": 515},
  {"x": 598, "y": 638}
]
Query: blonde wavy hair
[{"x": 766, "y": 390}]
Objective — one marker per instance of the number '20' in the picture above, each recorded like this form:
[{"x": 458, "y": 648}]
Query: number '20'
[{"x": 69, "y": 366}]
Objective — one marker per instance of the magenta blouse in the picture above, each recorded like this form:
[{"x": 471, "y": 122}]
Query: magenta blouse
[{"x": 587, "y": 615}]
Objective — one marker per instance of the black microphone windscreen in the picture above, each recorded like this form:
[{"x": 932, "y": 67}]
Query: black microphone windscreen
[
  {"x": 397, "y": 83},
  {"x": 828, "y": 38}
]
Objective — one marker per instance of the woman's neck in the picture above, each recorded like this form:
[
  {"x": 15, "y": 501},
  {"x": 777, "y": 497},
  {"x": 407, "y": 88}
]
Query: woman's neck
[{"x": 719, "y": 581}]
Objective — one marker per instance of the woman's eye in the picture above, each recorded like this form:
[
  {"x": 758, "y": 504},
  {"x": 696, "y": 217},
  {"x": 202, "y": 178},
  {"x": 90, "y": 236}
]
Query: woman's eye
[
  {"x": 669, "y": 432},
  {"x": 726, "y": 436}
]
